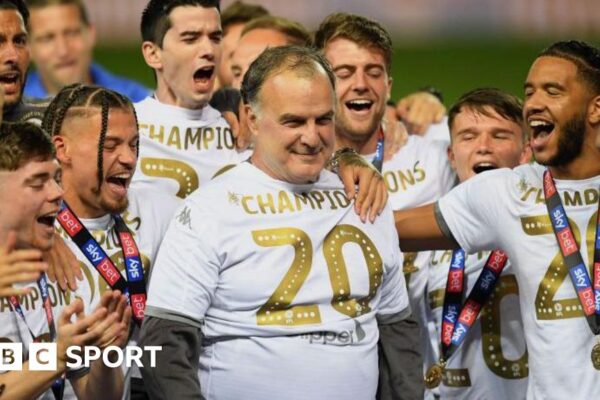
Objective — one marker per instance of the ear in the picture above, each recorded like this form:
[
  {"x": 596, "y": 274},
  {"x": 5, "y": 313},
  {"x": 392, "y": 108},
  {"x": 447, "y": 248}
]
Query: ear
[
  {"x": 152, "y": 55},
  {"x": 92, "y": 33},
  {"x": 594, "y": 111},
  {"x": 526, "y": 154},
  {"x": 251, "y": 119},
  {"x": 451, "y": 157},
  {"x": 63, "y": 153},
  {"x": 389, "y": 92}
]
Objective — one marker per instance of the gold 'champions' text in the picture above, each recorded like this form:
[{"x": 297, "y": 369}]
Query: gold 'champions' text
[{"x": 282, "y": 201}]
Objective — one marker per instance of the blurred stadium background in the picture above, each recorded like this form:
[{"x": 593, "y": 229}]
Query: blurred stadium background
[{"x": 454, "y": 45}]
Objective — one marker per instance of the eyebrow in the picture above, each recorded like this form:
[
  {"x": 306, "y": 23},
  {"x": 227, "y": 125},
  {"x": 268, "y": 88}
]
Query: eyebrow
[
  {"x": 465, "y": 130},
  {"x": 344, "y": 66},
  {"x": 328, "y": 114},
  {"x": 289, "y": 116},
  {"x": 547, "y": 85},
  {"x": 473, "y": 131},
  {"x": 118, "y": 139},
  {"x": 200, "y": 32},
  {"x": 20, "y": 35},
  {"x": 41, "y": 175},
  {"x": 372, "y": 65}
]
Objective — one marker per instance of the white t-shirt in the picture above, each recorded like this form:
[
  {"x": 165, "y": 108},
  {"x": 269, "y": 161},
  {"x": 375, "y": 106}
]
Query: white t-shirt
[
  {"x": 491, "y": 363},
  {"x": 243, "y": 250},
  {"x": 439, "y": 132},
  {"x": 14, "y": 330},
  {"x": 147, "y": 217},
  {"x": 418, "y": 174},
  {"x": 180, "y": 148},
  {"x": 505, "y": 209}
]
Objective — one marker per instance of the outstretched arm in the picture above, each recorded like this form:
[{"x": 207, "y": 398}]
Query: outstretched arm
[{"x": 423, "y": 228}]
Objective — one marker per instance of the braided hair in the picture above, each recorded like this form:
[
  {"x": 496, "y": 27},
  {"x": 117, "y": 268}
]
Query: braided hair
[{"x": 78, "y": 100}]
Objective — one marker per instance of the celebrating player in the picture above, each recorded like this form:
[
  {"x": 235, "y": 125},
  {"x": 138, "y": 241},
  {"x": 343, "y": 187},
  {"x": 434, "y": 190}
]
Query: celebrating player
[
  {"x": 360, "y": 52},
  {"x": 487, "y": 132},
  {"x": 184, "y": 142},
  {"x": 545, "y": 218},
  {"x": 30, "y": 199},
  {"x": 113, "y": 231}
]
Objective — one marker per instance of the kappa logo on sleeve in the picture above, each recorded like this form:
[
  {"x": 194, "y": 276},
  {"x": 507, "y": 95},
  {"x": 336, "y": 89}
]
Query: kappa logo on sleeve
[{"x": 185, "y": 218}]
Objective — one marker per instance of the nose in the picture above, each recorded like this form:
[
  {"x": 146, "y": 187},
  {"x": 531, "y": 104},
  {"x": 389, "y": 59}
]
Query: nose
[
  {"x": 533, "y": 103},
  {"x": 359, "y": 82},
  {"x": 207, "y": 49},
  {"x": 128, "y": 156},
  {"x": 483, "y": 144},
  {"x": 62, "y": 46},
  {"x": 9, "y": 54},
  {"x": 311, "y": 136},
  {"x": 55, "y": 192}
]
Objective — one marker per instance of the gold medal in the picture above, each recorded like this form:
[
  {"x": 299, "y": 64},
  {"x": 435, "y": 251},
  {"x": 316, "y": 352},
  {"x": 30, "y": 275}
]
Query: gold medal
[
  {"x": 433, "y": 378},
  {"x": 596, "y": 356}
]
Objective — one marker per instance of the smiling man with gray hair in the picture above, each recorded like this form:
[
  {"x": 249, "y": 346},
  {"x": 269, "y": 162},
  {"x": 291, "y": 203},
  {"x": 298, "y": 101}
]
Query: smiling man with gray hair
[{"x": 286, "y": 300}]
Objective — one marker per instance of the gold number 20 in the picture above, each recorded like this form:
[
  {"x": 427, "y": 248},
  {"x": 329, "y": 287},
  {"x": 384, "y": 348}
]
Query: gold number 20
[
  {"x": 278, "y": 310},
  {"x": 546, "y": 306}
]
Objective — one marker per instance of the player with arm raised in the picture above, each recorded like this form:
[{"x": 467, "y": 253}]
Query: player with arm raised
[{"x": 545, "y": 217}]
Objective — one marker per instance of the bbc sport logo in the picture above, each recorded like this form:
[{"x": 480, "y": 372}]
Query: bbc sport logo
[{"x": 42, "y": 356}]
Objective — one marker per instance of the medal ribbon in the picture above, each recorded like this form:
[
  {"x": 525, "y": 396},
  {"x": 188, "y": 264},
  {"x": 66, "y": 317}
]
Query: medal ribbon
[
  {"x": 588, "y": 292},
  {"x": 42, "y": 283},
  {"x": 457, "y": 320},
  {"x": 378, "y": 159},
  {"x": 135, "y": 286}
]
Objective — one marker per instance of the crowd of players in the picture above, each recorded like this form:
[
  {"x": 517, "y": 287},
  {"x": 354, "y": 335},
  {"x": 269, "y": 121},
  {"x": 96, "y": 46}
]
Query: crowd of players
[{"x": 283, "y": 230}]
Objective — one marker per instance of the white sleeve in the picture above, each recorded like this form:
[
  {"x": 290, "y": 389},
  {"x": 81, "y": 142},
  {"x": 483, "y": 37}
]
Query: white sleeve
[
  {"x": 187, "y": 267},
  {"x": 439, "y": 132},
  {"x": 394, "y": 296},
  {"x": 447, "y": 177},
  {"x": 475, "y": 210}
]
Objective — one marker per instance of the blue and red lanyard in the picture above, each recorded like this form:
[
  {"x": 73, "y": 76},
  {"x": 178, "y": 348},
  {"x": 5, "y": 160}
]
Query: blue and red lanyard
[
  {"x": 588, "y": 292},
  {"x": 378, "y": 159},
  {"x": 135, "y": 286},
  {"x": 457, "y": 319},
  {"x": 42, "y": 283}
]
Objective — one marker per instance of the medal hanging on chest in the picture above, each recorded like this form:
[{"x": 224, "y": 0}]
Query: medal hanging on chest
[
  {"x": 588, "y": 290},
  {"x": 457, "y": 319}
]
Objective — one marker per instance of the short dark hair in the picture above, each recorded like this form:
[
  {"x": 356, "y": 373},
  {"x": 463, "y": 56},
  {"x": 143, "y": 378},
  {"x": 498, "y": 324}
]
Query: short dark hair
[
  {"x": 77, "y": 3},
  {"x": 22, "y": 142},
  {"x": 293, "y": 31},
  {"x": 585, "y": 56},
  {"x": 302, "y": 60},
  {"x": 156, "y": 17},
  {"x": 483, "y": 99},
  {"x": 239, "y": 12},
  {"x": 19, "y": 6},
  {"x": 358, "y": 29},
  {"x": 89, "y": 97}
]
